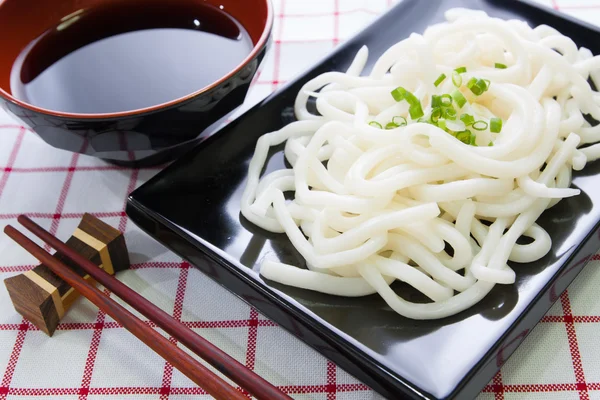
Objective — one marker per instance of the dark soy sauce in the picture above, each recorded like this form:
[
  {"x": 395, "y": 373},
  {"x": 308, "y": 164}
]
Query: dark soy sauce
[{"x": 128, "y": 55}]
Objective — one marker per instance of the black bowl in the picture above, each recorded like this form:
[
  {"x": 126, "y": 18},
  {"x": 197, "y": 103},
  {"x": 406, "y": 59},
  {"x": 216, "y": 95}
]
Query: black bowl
[{"x": 139, "y": 137}]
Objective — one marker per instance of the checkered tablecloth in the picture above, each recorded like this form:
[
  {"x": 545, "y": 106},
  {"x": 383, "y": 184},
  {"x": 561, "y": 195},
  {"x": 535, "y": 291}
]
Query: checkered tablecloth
[{"x": 91, "y": 357}]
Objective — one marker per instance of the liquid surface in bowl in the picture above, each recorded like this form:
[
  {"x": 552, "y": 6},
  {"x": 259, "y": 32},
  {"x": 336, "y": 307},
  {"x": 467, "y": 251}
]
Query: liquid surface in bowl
[{"x": 128, "y": 55}]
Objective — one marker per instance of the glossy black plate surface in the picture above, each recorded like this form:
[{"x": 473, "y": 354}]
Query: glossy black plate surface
[{"x": 194, "y": 208}]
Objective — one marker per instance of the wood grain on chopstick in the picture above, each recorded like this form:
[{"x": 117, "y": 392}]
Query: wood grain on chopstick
[
  {"x": 224, "y": 363},
  {"x": 180, "y": 360}
]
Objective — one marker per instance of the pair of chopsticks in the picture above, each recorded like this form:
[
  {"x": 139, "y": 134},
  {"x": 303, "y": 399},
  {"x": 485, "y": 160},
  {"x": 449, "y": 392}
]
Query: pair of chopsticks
[{"x": 201, "y": 375}]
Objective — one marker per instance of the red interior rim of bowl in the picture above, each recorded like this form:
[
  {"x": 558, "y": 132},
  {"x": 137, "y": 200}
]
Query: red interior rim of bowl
[{"x": 262, "y": 41}]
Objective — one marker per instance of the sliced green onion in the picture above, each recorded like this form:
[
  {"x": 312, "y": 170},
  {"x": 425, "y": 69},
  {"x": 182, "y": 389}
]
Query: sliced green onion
[
  {"x": 446, "y": 100},
  {"x": 456, "y": 79},
  {"x": 480, "y": 125},
  {"x": 391, "y": 125},
  {"x": 416, "y": 111},
  {"x": 399, "y": 93},
  {"x": 490, "y": 144},
  {"x": 449, "y": 113},
  {"x": 468, "y": 119},
  {"x": 439, "y": 80},
  {"x": 495, "y": 125},
  {"x": 436, "y": 114},
  {"x": 461, "y": 70},
  {"x": 471, "y": 82},
  {"x": 478, "y": 86},
  {"x": 459, "y": 99},
  {"x": 400, "y": 121},
  {"x": 464, "y": 136},
  {"x": 472, "y": 140},
  {"x": 442, "y": 124},
  {"x": 375, "y": 124},
  {"x": 436, "y": 101},
  {"x": 500, "y": 66}
]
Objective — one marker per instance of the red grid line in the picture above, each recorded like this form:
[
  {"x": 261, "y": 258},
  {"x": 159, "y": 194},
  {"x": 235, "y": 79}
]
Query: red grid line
[
  {"x": 498, "y": 386},
  {"x": 11, "y": 159},
  {"x": 543, "y": 388},
  {"x": 12, "y": 361},
  {"x": 108, "y": 214},
  {"x": 145, "y": 265},
  {"x": 279, "y": 82},
  {"x": 192, "y": 390},
  {"x": 331, "y": 381},
  {"x": 16, "y": 268},
  {"x": 14, "y": 126},
  {"x": 71, "y": 169},
  {"x": 90, "y": 361},
  {"x": 225, "y": 324},
  {"x": 330, "y": 13},
  {"x": 574, "y": 346},
  {"x": 9, "y": 327},
  {"x": 16, "y": 351},
  {"x": 230, "y": 324},
  {"x": 252, "y": 337},
  {"x": 167, "y": 378},
  {"x": 277, "y": 50},
  {"x": 63, "y": 197},
  {"x": 578, "y": 319},
  {"x": 132, "y": 183},
  {"x": 336, "y": 22}
]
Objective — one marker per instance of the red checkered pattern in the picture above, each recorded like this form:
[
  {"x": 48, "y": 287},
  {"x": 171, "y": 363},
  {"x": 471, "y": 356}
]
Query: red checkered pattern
[{"x": 92, "y": 357}]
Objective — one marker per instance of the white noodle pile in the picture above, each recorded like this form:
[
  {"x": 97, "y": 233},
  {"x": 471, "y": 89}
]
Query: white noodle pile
[{"x": 386, "y": 202}]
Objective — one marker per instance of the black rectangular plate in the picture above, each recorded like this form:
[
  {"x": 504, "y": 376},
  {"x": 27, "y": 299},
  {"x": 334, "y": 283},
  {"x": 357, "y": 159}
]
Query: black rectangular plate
[{"x": 193, "y": 207}]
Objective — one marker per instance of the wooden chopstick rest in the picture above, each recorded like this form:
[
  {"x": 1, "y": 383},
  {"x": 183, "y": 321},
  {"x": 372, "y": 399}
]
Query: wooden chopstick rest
[{"x": 43, "y": 298}]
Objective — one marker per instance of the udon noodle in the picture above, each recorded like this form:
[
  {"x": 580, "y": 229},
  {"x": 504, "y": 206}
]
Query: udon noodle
[{"x": 386, "y": 189}]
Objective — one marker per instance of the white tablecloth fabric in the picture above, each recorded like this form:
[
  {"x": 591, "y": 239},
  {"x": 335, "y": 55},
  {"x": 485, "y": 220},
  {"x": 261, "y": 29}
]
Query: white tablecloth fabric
[{"x": 91, "y": 357}]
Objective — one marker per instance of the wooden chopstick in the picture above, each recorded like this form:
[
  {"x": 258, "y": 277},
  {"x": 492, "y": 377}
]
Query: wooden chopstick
[
  {"x": 185, "y": 363},
  {"x": 227, "y": 365}
]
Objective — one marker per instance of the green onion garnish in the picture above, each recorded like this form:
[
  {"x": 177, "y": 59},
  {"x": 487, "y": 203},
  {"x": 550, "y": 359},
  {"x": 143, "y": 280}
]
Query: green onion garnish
[
  {"x": 449, "y": 113},
  {"x": 459, "y": 99},
  {"x": 471, "y": 82},
  {"x": 375, "y": 124},
  {"x": 391, "y": 125},
  {"x": 467, "y": 119},
  {"x": 478, "y": 86},
  {"x": 472, "y": 140},
  {"x": 416, "y": 111},
  {"x": 446, "y": 100},
  {"x": 490, "y": 144},
  {"x": 480, "y": 125},
  {"x": 464, "y": 136},
  {"x": 461, "y": 70},
  {"x": 495, "y": 125},
  {"x": 442, "y": 124},
  {"x": 400, "y": 121},
  {"x": 399, "y": 93},
  {"x": 436, "y": 101},
  {"x": 439, "y": 80},
  {"x": 500, "y": 66},
  {"x": 456, "y": 79},
  {"x": 436, "y": 114}
]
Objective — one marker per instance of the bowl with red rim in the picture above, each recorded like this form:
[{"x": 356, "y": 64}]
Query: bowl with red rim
[{"x": 152, "y": 134}]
